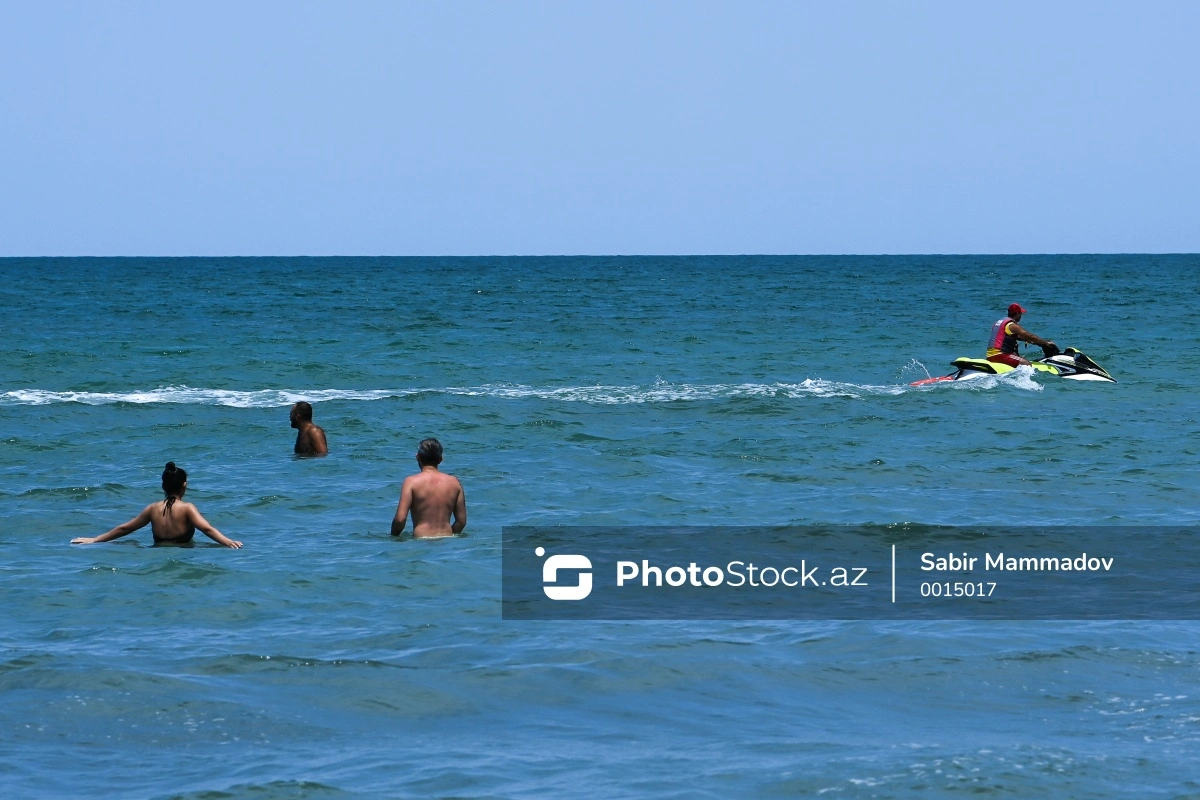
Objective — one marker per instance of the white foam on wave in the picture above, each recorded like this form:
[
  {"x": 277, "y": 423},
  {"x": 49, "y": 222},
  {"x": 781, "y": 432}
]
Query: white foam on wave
[
  {"x": 658, "y": 392},
  {"x": 662, "y": 392},
  {"x": 1020, "y": 378},
  {"x": 263, "y": 398}
]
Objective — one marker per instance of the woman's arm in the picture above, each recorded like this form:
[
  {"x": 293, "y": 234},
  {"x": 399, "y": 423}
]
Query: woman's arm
[
  {"x": 200, "y": 522},
  {"x": 140, "y": 521}
]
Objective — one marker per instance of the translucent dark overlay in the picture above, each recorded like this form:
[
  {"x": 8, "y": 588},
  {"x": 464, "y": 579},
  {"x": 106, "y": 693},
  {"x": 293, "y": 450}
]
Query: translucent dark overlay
[{"x": 851, "y": 573}]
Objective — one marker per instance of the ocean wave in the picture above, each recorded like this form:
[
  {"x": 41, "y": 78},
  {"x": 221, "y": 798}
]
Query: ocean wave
[{"x": 658, "y": 392}]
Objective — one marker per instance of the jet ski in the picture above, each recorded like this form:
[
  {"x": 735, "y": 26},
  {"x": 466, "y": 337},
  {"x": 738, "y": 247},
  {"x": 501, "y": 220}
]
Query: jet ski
[{"x": 1070, "y": 364}]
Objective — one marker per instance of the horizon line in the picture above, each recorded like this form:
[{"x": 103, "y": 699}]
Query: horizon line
[{"x": 613, "y": 255}]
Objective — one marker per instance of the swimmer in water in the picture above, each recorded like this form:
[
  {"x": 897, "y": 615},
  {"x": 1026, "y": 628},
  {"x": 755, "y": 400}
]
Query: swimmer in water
[
  {"x": 171, "y": 520},
  {"x": 431, "y": 497},
  {"x": 310, "y": 438}
]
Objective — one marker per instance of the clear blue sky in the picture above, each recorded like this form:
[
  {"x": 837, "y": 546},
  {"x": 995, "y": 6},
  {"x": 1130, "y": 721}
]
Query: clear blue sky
[{"x": 263, "y": 128}]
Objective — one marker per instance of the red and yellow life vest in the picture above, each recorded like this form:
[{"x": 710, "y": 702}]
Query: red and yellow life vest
[{"x": 1000, "y": 340}]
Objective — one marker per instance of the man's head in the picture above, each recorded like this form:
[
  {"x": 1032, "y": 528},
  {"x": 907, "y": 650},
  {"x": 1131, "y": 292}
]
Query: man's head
[
  {"x": 301, "y": 412},
  {"x": 429, "y": 453},
  {"x": 1015, "y": 311}
]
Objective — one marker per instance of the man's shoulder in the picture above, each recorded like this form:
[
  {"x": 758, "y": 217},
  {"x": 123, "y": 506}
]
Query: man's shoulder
[{"x": 433, "y": 479}]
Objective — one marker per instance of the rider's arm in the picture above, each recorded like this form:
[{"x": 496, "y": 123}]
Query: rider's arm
[{"x": 1026, "y": 336}]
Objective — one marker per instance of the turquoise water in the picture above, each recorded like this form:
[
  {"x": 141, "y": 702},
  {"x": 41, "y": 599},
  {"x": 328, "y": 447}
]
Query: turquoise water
[{"x": 327, "y": 660}]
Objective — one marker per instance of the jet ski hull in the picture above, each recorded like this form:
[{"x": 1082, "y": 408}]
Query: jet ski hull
[{"x": 1070, "y": 364}]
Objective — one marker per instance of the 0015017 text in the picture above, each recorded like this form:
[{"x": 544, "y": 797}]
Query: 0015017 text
[{"x": 957, "y": 589}]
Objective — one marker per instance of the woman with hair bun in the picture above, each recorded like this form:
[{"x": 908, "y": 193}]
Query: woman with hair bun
[{"x": 171, "y": 520}]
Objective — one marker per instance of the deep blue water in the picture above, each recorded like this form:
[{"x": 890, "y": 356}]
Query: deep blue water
[{"x": 327, "y": 660}]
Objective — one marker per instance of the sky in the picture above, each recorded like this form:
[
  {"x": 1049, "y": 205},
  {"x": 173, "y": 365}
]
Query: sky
[{"x": 560, "y": 128}]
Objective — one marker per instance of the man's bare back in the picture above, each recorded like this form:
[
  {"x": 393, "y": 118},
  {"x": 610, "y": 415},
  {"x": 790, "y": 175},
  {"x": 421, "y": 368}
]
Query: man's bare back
[{"x": 431, "y": 497}]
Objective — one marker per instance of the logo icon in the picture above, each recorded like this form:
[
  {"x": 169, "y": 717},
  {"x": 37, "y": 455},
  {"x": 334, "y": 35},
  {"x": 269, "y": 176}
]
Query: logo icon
[{"x": 567, "y": 562}]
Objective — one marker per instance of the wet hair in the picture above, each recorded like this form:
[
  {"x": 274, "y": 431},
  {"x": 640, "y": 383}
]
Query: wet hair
[
  {"x": 173, "y": 480},
  {"x": 430, "y": 452},
  {"x": 304, "y": 410}
]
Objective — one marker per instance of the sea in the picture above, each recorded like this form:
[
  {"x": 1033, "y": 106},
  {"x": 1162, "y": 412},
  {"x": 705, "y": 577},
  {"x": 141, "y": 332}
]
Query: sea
[{"x": 326, "y": 659}]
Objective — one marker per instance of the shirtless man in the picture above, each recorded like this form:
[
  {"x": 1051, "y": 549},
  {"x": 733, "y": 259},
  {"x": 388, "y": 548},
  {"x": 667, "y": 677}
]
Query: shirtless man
[
  {"x": 432, "y": 497},
  {"x": 310, "y": 441}
]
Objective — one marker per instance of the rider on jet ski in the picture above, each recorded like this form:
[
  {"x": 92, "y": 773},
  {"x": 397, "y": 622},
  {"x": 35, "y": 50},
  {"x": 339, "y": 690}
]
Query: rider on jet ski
[{"x": 1002, "y": 343}]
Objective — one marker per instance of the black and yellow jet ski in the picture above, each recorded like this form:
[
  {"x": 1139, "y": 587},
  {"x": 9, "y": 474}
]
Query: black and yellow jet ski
[{"x": 1070, "y": 364}]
